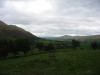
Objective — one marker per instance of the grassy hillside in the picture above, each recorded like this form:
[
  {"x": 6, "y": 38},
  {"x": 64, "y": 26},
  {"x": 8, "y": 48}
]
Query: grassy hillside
[{"x": 67, "y": 62}]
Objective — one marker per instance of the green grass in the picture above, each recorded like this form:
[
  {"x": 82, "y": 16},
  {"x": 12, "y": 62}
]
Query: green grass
[{"x": 74, "y": 62}]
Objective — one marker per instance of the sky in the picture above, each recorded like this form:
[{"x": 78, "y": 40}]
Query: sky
[{"x": 53, "y": 17}]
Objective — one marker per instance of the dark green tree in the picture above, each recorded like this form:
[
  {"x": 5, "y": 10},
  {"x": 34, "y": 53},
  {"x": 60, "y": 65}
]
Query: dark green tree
[
  {"x": 4, "y": 50},
  {"x": 23, "y": 45},
  {"x": 75, "y": 43},
  {"x": 40, "y": 46}
]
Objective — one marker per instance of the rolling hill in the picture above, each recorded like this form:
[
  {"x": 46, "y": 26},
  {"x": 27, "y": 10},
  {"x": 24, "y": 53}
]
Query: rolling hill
[{"x": 81, "y": 38}]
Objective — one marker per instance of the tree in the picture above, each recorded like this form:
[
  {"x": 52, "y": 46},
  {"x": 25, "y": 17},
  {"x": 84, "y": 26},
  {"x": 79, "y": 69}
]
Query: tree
[
  {"x": 50, "y": 47},
  {"x": 4, "y": 50},
  {"x": 23, "y": 45},
  {"x": 75, "y": 43},
  {"x": 14, "y": 46},
  {"x": 94, "y": 45},
  {"x": 40, "y": 46}
]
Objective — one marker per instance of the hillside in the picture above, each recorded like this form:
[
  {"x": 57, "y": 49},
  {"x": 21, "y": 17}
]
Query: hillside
[{"x": 12, "y": 31}]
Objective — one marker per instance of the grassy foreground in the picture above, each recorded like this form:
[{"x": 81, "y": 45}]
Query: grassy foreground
[{"x": 66, "y": 63}]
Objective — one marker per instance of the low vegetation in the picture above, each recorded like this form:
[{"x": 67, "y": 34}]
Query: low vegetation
[{"x": 67, "y": 62}]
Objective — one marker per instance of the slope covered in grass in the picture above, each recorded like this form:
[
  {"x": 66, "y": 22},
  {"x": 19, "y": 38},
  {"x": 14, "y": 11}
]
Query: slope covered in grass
[{"x": 66, "y": 63}]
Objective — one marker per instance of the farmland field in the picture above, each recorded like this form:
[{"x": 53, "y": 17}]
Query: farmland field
[{"x": 66, "y": 62}]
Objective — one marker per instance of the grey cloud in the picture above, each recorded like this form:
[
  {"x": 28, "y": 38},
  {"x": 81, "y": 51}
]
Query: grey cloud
[
  {"x": 2, "y": 2},
  {"x": 69, "y": 17},
  {"x": 79, "y": 7}
]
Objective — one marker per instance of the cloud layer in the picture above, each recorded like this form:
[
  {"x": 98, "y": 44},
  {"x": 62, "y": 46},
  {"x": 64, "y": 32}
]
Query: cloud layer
[{"x": 53, "y": 17}]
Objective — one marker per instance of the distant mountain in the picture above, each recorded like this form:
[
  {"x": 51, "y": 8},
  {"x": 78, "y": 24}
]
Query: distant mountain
[
  {"x": 61, "y": 38},
  {"x": 80, "y": 38},
  {"x": 87, "y": 38},
  {"x": 12, "y": 31}
]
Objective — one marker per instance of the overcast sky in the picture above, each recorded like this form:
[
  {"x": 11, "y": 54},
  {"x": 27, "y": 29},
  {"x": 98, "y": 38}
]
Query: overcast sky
[{"x": 53, "y": 17}]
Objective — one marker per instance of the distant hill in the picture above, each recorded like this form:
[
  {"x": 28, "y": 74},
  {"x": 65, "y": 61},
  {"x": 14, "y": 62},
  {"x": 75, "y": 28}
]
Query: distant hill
[
  {"x": 12, "y": 31},
  {"x": 80, "y": 38},
  {"x": 87, "y": 38},
  {"x": 61, "y": 38}
]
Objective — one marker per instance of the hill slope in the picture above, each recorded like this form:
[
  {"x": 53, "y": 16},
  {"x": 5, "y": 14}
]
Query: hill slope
[{"x": 12, "y": 31}]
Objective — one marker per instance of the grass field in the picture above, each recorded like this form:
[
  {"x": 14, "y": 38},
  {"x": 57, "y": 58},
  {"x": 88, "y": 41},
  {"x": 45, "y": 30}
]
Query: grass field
[{"x": 72, "y": 62}]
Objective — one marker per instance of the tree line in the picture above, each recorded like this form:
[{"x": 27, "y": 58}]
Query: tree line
[
  {"x": 14, "y": 46},
  {"x": 25, "y": 45}
]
